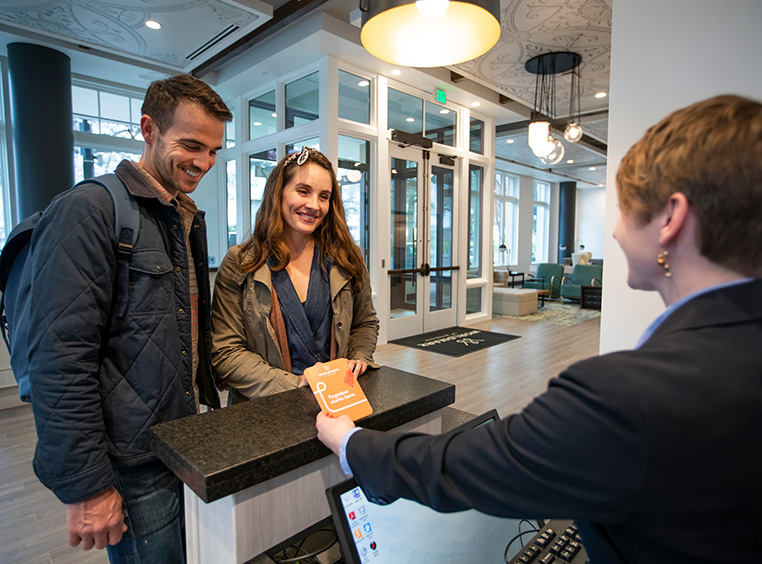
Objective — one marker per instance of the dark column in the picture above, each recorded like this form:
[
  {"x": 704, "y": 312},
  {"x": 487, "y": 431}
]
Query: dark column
[
  {"x": 566, "y": 215},
  {"x": 41, "y": 117}
]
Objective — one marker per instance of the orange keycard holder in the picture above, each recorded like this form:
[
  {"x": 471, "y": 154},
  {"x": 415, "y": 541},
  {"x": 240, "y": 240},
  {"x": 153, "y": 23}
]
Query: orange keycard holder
[{"x": 337, "y": 390}]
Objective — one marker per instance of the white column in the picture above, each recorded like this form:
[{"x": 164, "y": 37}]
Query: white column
[{"x": 666, "y": 54}]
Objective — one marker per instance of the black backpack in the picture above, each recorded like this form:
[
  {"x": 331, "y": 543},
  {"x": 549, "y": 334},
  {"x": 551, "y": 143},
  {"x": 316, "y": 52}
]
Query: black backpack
[{"x": 16, "y": 276}]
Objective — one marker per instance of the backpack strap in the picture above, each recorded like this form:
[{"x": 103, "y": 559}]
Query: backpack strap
[{"x": 126, "y": 228}]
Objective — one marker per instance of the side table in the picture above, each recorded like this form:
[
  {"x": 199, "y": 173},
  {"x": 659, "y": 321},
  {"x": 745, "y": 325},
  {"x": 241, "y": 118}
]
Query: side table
[{"x": 590, "y": 297}]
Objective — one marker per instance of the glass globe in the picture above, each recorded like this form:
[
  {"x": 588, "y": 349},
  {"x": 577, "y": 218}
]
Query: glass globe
[
  {"x": 555, "y": 156},
  {"x": 573, "y": 132}
]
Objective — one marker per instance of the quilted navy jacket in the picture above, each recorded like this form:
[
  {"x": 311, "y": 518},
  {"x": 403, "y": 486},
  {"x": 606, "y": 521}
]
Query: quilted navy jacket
[{"x": 98, "y": 381}]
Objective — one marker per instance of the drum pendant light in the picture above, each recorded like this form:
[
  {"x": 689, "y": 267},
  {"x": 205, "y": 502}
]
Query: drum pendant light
[{"x": 429, "y": 33}]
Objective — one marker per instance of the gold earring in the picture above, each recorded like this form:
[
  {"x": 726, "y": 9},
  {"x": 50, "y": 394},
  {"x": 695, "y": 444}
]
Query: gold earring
[{"x": 661, "y": 259}]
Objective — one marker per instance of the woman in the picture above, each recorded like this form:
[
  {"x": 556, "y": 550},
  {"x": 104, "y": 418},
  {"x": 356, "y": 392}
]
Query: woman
[
  {"x": 655, "y": 451},
  {"x": 297, "y": 292}
]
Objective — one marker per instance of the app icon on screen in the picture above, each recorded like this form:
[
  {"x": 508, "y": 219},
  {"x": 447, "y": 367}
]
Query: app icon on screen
[{"x": 358, "y": 534}]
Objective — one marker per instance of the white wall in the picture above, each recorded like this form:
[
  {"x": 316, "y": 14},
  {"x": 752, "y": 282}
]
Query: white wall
[
  {"x": 591, "y": 219},
  {"x": 666, "y": 54}
]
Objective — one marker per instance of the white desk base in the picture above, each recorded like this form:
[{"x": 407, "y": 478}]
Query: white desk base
[{"x": 236, "y": 528}]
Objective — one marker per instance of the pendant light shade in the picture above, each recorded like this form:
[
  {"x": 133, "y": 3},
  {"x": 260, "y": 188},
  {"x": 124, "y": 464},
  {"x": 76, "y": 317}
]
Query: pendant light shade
[{"x": 429, "y": 33}]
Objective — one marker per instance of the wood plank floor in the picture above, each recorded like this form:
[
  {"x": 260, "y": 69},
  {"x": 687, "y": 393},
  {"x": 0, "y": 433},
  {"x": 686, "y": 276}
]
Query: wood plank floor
[{"x": 507, "y": 377}]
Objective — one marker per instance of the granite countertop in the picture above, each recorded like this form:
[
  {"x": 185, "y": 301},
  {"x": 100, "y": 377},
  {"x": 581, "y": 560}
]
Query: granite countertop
[{"x": 227, "y": 450}]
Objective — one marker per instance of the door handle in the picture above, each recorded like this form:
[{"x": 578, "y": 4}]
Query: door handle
[{"x": 425, "y": 269}]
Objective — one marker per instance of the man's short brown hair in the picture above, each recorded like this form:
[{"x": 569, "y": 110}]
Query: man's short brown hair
[
  {"x": 163, "y": 96},
  {"x": 710, "y": 151}
]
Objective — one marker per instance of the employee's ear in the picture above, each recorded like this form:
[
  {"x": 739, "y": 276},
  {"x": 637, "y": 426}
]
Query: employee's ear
[
  {"x": 149, "y": 129},
  {"x": 678, "y": 210}
]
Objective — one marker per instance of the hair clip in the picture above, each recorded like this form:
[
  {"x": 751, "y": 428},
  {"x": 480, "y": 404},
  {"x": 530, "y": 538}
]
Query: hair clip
[{"x": 302, "y": 156}]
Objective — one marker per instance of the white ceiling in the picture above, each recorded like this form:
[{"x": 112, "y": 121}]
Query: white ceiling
[{"x": 108, "y": 39}]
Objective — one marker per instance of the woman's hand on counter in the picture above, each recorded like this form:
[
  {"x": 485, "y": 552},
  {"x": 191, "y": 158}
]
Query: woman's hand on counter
[
  {"x": 358, "y": 367},
  {"x": 332, "y": 429}
]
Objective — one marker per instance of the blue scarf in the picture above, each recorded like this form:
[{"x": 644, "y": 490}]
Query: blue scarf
[{"x": 308, "y": 324}]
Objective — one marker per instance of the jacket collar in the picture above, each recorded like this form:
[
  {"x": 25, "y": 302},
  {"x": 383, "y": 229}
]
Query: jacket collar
[{"x": 735, "y": 304}]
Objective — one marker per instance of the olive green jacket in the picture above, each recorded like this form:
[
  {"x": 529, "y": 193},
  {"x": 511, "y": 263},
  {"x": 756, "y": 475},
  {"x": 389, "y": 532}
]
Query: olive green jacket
[{"x": 245, "y": 350}]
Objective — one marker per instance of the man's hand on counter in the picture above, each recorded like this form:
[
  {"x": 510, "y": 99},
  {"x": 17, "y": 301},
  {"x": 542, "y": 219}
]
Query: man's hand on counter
[{"x": 332, "y": 429}]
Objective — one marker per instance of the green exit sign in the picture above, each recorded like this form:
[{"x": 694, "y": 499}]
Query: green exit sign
[{"x": 441, "y": 96}]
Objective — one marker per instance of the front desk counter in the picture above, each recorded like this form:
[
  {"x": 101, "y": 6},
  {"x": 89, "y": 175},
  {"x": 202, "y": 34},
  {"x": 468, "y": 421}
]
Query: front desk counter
[{"x": 255, "y": 473}]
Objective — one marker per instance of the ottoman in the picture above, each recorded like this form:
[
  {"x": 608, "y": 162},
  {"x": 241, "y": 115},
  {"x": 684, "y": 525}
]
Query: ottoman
[{"x": 513, "y": 301}]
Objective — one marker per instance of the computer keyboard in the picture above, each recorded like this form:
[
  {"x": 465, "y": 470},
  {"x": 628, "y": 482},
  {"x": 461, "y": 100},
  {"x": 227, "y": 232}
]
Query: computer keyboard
[{"x": 557, "y": 543}]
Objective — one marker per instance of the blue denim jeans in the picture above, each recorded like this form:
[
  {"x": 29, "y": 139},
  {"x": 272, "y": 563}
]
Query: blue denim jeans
[{"x": 153, "y": 508}]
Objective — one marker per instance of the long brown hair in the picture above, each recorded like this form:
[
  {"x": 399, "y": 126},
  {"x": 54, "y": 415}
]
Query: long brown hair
[{"x": 331, "y": 236}]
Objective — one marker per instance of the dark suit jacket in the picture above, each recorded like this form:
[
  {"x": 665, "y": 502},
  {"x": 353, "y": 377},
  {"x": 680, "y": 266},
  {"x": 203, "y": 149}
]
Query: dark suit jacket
[{"x": 656, "y": 452}]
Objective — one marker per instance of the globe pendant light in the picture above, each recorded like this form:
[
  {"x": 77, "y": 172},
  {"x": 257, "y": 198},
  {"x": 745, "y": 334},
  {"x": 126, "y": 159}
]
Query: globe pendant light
[
  {"x": 429, "y": 33},
  {"x": 546, "y": 66}
]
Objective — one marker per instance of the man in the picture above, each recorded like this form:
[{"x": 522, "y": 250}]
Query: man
[
  {"x": 101, "y": 379},
  {"x": 653, "y": 451}
]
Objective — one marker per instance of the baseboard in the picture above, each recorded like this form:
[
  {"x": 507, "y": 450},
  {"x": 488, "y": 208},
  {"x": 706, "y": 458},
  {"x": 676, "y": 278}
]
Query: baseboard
[{"x": 9, "y": 397}]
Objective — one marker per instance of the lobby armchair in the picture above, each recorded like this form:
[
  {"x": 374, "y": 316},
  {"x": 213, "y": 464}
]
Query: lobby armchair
[
  {"x": 547, "y": 277},
  {"x": 582, "y": 275}
]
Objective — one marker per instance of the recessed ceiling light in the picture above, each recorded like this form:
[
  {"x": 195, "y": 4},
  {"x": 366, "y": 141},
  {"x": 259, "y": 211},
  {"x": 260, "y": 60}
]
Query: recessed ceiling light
[
  {"x": 395, "y": 72},
  {"x": 274, "y": 114},
  {"x": 409, "y": 119},
  {"x": 257, "y": 123},
  {"x": 570, "y": 161},
  {"x": 600, "y": 185},
  {"x": 153, "y": 24},
  {"x": 476, "y": 104},
  {"x": 510, "y": 141},
  {"x": 444, "y": 111},
  {"x": 591, "y": 168},
  {"x": 363, "y": 83},
  {"x": 600, "y": 95}
]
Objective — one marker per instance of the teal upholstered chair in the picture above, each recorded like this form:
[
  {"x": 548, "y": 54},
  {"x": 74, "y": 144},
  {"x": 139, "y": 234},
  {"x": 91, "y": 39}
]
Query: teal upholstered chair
[
  {"x": 582, "y": 275},
  {"x": 548, "y": 277}
]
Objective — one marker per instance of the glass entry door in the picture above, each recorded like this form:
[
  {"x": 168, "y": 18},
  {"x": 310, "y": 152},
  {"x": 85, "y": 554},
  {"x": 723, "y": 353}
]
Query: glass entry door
[{"x": 422, "y": 273}]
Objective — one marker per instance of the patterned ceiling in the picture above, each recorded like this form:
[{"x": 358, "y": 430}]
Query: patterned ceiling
[{"x": 192, "y": 30}]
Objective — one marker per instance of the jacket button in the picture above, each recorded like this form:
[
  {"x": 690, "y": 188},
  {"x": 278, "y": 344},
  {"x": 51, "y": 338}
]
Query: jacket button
[
  {"x": 185, "y": 353},
  {"x": 178, "y": 269},
  {"x": 174, "y": 226},
  {"x": 181, "y": 310}
]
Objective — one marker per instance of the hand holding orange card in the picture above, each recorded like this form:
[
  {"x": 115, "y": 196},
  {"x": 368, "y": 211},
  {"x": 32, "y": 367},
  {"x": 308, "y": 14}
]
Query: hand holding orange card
[{"x": 337, "y": 390}]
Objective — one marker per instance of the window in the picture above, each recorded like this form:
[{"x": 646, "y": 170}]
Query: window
[
  {"x": 106, "y": 113},
  {"x": 106, "y": 127},
  {"x": 475, "y": 184},
  {"x": 540, "y": 222},
  {"x": 440, "y": 124},
  {"x": 353, "y": 178},
  {"x": 262, "y": 117},
  {"x": 302, "y": 100},
  {"x": 505, "y": 226},
  {"x": 405, "y": 112},
  {"x": 354, "y": 97},
  {"x": 92, "y": 161},
  {"x": 261, "y": 164},
  {"x": 473, "y": 300},
  {"x": 476, "y": 136}
]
